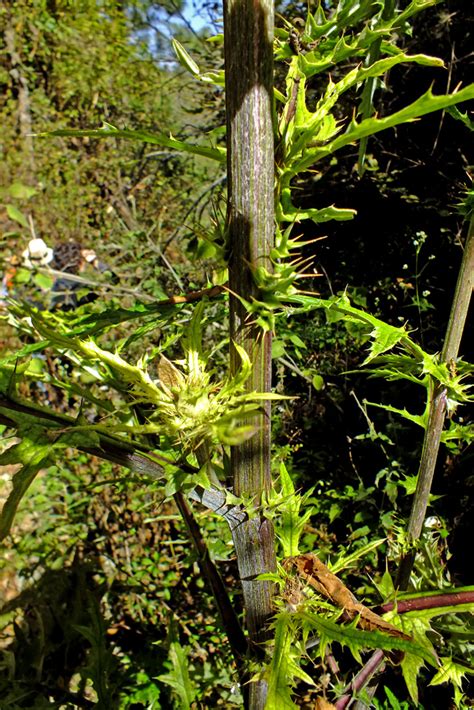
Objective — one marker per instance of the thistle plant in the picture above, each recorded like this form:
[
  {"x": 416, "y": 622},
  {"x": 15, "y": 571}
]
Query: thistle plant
[{"x": 208, "y": 435}]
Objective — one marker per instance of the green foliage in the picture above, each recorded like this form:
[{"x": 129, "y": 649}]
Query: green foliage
[
  {"x": 293, "y": 630},
  {"x": 454, "y": 673},
  {"x": 413, "y": 364},
  {"x": 306, "y": 137},
  {"x": 163, "y": 386},
  {"x": 41, "y": 443},
  {"x": 178, "y": 675},
  {"x": 284, "y": 669},
  {"x": 188, "y": 406},
  {"x": 101, "y": 662},
  {"x": 91, "y": 517},
  {"x": 81, "y": 66},
  {"x": 290, "y": 511},
  {"x": 15, "y": 214}
]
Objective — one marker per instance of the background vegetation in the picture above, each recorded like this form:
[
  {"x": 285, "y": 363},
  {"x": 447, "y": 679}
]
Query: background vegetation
[{"x": 103, "y": 602}]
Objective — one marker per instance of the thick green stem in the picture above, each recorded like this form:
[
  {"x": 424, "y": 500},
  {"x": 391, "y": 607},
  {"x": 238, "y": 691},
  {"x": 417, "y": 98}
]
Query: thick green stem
[
  {"x": 248, "y": 31},
  {"x": 437, "y": 408}
]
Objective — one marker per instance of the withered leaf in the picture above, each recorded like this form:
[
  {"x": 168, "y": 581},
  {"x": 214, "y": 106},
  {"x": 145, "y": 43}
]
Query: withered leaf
[
  {"x": 323, "y": 704},
  {"x": 315, "y": 573},
  {"x": 169, "y": 374}
]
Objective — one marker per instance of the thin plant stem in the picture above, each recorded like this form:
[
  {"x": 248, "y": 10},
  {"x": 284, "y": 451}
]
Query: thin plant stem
[
  {"x": 454, "y": 333},
  {"x": 209, "y": 571},
  {"x": 437, "y": 407},
  {"x": 233, "y": 629}
]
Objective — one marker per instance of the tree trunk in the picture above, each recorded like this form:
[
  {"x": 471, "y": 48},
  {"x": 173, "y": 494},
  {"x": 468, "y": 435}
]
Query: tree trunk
[{"x": 21, "y": 85}]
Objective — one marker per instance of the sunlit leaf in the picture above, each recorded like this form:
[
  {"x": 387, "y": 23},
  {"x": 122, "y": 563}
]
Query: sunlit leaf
[
  {"x": 21, "y": 192},
  {"x": 43, "y": 281},
  {"x": 284, "y": 669},
  {"x": 451, "y": 672},
  {"x": 345, "y": 562},
  {"x": 427, "y": 103},
  {"x": 294, "y": 514},
  {"x": 218, "y": 154},
  {"x": 385, "y": 337},
  {"x": 184, "y": 58},
  {"x": 318, "y": 382},
  {"x": 357, "y": 639},
  {"x": 16, "y": 215}
]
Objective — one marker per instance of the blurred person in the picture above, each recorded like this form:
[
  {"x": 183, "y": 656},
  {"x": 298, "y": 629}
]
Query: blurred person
[
  {"x": 66, "y": 264},
  {"x": 71, "y": 259}
]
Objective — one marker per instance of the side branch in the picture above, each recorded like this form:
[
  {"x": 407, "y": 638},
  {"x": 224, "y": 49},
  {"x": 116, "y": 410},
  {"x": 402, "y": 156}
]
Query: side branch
[{"x": 124, "y": 453}]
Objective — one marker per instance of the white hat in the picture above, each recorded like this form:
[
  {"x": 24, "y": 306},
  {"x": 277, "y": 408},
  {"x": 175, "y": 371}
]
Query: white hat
[{"x": 37, "y": 254}]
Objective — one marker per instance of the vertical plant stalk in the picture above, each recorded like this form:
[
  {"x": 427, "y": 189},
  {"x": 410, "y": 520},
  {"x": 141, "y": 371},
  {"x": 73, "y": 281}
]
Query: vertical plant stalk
[
  {"x": 359, "y": 681},
  {"x": 248, "y": 46},
  {"x": 229, "y": 618},
  {"x": 209, "y": 571},
  {"x": 437, "y": 408},
  {"x": 454, "y": 333}
]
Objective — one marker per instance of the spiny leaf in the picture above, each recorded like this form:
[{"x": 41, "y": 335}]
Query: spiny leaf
[
  {"x": 315, "y": 62},
  {"x": 412, "y": 663},
  {"x": 458, "y": 432},
  {"x": 427, "y": 103},
  {"x": 287, "y": 212},
  {"x": 345, "y": 562},
  {"x": 385, "y": 337},
  {"x": 452, "y": 672},
  {"x": 312, "y": 124},
  {"x": 414, "y": 8},
  {"x": 382, "y": 66},
  {"x": 464, "y": 117},
  {"x": 284, "y": 668},
  {"x": 415, "y": 418},
  {"x": 95, "y": 323},
  {"x": 357, "y": 639},
  {"x": 143, "y": 136},
  {"x": 340, "y": 307},
  {"x": 178, "y": 676},
  {"x": 280, "y": 681},
  {"x": 292, "y": 520}
]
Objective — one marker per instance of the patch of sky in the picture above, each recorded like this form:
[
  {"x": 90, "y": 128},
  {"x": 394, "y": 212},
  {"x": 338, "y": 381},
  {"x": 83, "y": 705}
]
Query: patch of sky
[
  {"x": 163, "y": 22},
  {"x": 196, "y": 16}
]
